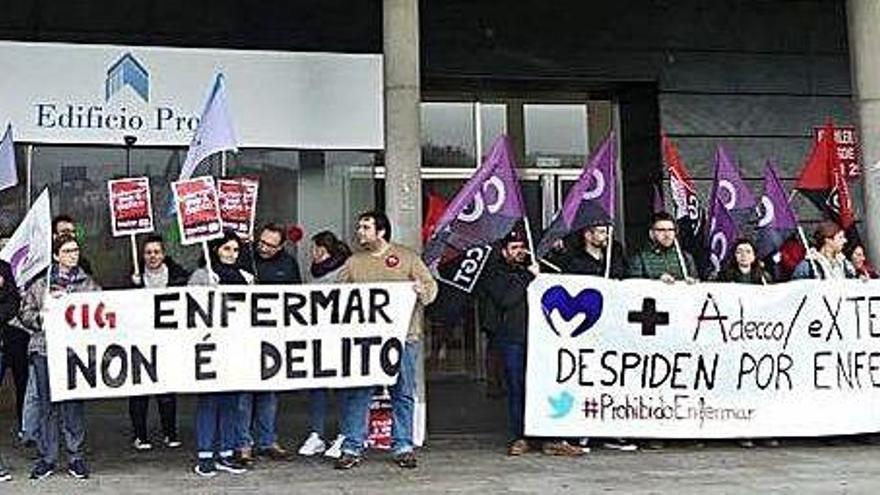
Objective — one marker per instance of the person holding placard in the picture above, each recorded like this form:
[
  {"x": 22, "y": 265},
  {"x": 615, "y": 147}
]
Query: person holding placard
[
  {"x": 663, "y": 259},
  {"x": 156, "y": 271},
  {"x": 272, "y": 265},
  {"x": 744, "y": 267},
  {"x": 380, "y": 260},
  {"x": 217, "y": 413},
  {"x": 56, "y": 418},
  {"x": 329, "y": 254}
]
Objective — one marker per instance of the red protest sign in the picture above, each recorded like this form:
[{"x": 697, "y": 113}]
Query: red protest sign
[
  {"x": 848, "y": 150},
  {"x": 131, "y": 209},
  {"x": 198, "y": 213},
  {"x": 238, "y": 204}
]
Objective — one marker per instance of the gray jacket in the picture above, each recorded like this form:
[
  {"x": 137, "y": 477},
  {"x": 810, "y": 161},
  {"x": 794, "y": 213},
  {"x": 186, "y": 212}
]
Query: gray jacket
[{"x": 32, "y": 306}]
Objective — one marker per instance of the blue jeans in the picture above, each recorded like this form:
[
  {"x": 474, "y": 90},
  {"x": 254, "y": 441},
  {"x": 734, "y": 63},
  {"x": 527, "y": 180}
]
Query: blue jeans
[
  {"x": 57, "y": 418},
  {"x": 257, "y": 409},
  {"x": 317, "y": 410},
  {"x": 513, "y": 356},
  {"x": 216, "y": 415},
  {"x": 356, "y": 406}
]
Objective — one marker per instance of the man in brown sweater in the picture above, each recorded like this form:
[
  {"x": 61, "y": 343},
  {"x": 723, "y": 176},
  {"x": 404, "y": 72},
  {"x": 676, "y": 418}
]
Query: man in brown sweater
[{"x": 380, "y": 260}]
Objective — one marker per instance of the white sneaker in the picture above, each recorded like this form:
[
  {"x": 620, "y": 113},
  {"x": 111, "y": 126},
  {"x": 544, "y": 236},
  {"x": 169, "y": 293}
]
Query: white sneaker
[
  {"x": 312, "y": 446},
  {"x": 335, "y": 450},
  {"x": 621, "y": 445},
  {"x": 139, "y": 444}
]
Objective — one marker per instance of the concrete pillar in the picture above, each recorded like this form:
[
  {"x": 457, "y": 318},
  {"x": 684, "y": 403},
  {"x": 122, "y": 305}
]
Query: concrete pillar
[
  {"x": 403, "y": 196},
  {"x": 403, "y": 184},
  {"x": 864, "y": 45}
]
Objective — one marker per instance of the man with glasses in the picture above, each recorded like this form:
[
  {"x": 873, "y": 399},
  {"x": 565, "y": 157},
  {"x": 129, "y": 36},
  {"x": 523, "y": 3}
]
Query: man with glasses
[
  {"x": 272, "y": 265},
  {"x": 660, "y": 260}
]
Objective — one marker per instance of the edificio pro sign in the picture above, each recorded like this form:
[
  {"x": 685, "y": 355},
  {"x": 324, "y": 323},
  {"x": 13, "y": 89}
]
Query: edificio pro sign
[
  {"x": 226, "y": 338},
  {"x": 70, "y": 93},
  {"x": 641, "y": 359}
]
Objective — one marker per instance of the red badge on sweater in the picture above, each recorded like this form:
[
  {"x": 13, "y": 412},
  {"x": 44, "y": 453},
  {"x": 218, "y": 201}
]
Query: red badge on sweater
[{"x": 392, "y": 261}]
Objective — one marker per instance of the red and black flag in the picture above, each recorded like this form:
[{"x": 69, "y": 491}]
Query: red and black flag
[{"x": 823, "y": 180}]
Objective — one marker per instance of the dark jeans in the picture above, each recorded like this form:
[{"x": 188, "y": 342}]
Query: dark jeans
[
  {"x": 138, "y": 409},
  {"x": 514, "y": 358},
  {"x": 15, "y": 358}
]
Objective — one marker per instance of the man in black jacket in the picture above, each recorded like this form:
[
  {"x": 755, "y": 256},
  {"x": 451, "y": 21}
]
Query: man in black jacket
[
  {"x": 588, "y": 255},
  {"x": 156, "y": 271},
  {"x": 504, "y": 316},
  {"x": 10, "y": 303},
  {"x": 272, "y": 265}
]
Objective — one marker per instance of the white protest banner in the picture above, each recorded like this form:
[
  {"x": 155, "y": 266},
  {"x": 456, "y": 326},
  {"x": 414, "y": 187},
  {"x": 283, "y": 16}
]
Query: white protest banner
[
  {"x": 131, "y": 208},
  {"x": 198, "y": 212},
  {"x": 226, "y": 338},
  {"x": 641, "y": 359},
  {"x": 238, "y": 204}
]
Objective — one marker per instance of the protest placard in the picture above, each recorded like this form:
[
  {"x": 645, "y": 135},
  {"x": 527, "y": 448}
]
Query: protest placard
[
  {"x": 198, "y": 212},
  {"x": 131, "y": 207},
  {"x": 238, "y": 204}
]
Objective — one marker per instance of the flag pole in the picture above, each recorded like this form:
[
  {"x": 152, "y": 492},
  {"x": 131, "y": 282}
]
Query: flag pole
[
  {"x": 134, "y": 255},
  {"x": 807, "y": 251},
  {"x": 681, "y": 262},
  {"x": 531, "y": 242},
  {"x": 223, "y": 163},
  {"x": 608, "y": 251},
  {"x": 207, "y": 253}
]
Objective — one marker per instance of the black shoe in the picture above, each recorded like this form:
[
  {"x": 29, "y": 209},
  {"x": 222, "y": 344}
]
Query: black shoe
[
  {"x": 347, "y": 461},
  {"x": 172, "y": 442},
  {"x": 5, "y": 475},
  {"x": 206, "y": 468},
  {"x": 406, "y": 460},
  {"x": 42, "y": 470},
  {"x": 78, "y": 469},
  {"x": 230, "y": 465}
]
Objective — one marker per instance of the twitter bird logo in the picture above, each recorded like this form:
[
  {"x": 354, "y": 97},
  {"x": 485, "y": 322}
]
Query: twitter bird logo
[{"x": 560, "y": 405}]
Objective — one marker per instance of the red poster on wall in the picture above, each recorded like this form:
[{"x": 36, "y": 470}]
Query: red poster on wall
[
  {"x": 198, "y": 212},
  {"x": 131, "y": 209},
  {"x": 238, "y": 204}
]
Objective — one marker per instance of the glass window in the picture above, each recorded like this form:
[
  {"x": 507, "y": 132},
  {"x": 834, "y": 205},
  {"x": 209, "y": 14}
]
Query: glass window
[
  {"x": 494, "y": 124},
  {"x": 447, "y": 134},
  {"x": 556, "y": 134},
  {"x": 314, "y": 189}
]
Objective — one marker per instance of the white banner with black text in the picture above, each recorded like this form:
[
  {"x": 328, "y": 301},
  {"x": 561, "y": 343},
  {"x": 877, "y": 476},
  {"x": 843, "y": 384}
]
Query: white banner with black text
[
  {"x": 642, "y": 359},
  {"x": 225, "y": 338}
]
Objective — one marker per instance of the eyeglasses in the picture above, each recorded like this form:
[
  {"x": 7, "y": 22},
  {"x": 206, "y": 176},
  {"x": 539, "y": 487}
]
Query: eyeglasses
[
  {"x": 69, "y": 251},
  {"x": 269, "y": 246}
]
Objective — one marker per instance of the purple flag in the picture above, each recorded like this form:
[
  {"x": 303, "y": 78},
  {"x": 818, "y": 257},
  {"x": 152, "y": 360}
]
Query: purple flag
[
  {"x": 729, "y": 187},
  {"x": 591, "y": 201},
  {"x": 485, "y": 209},
  {"x": 722, "y": 234},
  {"x": 776, "y": 219}
]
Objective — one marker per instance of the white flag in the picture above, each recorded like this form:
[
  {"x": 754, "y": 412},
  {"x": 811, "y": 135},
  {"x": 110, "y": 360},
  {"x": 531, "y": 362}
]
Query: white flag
[
  {"x": 215, "y": 132},
  {"x": 8, "y": 172},
  {"x": 28, "y": 250}
]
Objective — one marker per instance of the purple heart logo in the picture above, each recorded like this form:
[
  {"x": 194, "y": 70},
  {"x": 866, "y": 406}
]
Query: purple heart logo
[{"x": 588, "y": 302}]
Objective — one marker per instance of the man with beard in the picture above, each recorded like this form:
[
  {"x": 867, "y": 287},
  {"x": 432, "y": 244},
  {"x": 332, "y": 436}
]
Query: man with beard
[{"x": 381, "y": 260}]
